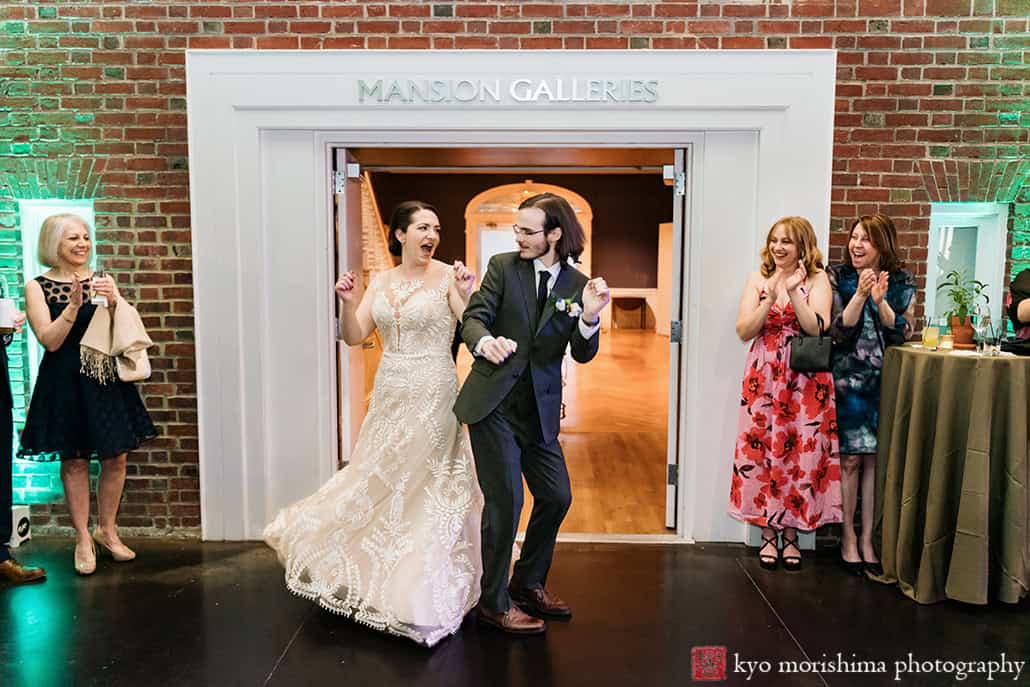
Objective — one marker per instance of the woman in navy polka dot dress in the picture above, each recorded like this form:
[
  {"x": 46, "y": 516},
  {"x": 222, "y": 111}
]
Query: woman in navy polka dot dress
[{"x": 73, "y": 417}]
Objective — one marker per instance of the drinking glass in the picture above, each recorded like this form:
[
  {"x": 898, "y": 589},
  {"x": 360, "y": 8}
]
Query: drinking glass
[
  {"x": 981, "y": 325},
  {"x": 95, "y": 299},
  {"x": 995, "y": 335},
  {"x": 931, "y": 335}
]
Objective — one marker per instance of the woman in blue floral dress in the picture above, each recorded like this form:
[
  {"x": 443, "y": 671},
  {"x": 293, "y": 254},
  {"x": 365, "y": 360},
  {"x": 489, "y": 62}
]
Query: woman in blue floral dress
[{"x": 872, "y": 309}]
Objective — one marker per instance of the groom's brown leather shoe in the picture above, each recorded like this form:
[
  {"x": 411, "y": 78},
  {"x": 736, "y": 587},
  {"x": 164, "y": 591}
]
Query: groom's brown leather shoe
[
  {"x": 513, "y": 621},
  {"x": 538, "y": 601},
  {"x": 13, "y": 572}
]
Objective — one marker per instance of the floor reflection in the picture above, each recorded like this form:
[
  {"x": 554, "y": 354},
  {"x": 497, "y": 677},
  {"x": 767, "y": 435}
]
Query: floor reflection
[{"x": 187, "y": 613}]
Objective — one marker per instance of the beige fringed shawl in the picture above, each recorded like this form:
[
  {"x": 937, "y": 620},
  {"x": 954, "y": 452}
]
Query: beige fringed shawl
[{"x": 115, "y": 345}]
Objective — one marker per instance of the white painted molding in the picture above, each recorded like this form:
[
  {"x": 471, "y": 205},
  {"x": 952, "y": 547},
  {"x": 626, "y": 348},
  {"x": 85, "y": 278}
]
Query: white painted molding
[{"x": 261, "y": 123}]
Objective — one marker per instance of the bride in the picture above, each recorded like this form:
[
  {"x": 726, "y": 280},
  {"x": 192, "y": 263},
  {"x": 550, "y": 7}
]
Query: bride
[{"x": 392, "y": 540}]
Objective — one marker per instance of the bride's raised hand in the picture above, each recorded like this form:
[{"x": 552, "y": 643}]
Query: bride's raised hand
[
  {"x": 464, "y": 278},
  {"x": 345, "y": 287}
]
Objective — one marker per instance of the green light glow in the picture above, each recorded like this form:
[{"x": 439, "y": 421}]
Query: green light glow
[{"x": 40, "y": 641}]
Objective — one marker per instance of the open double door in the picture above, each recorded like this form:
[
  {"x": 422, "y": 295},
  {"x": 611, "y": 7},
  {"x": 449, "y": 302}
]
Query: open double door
[{"x": 346, "y": 182}]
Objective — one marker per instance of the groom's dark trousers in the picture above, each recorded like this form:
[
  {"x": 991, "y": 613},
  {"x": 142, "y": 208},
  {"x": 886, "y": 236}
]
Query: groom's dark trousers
[
  {"x": 507, "y": 444},
  {"x": 513, "y": 413}
]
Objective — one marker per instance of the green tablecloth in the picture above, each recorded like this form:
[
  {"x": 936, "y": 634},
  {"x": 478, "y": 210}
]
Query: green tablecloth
[{"x": 951, "y": 478}]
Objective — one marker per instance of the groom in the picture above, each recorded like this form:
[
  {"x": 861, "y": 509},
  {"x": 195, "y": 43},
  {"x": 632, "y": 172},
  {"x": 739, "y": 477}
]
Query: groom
[{"x": 531, "y": 305}]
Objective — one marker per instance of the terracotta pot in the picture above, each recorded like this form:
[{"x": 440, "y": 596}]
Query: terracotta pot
[{"x": 962, "y": 330}]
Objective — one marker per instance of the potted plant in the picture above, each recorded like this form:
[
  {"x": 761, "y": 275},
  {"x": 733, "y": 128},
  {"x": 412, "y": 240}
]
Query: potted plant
[{"x": 963, "y": 292}]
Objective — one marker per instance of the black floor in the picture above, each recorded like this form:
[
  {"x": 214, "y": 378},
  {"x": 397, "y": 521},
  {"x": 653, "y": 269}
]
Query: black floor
[{"x": 186, "y": 613}]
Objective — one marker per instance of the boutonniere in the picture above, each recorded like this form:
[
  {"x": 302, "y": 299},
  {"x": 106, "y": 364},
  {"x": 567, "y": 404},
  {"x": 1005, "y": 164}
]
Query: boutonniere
[{"x": 568, "y": 306}]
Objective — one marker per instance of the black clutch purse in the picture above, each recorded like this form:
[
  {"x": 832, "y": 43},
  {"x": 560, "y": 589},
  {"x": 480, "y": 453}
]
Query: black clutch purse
[{"x": 811, "y": 353}]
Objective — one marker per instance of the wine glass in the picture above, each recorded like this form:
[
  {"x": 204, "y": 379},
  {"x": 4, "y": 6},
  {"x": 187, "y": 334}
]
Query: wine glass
[{"x": 981, "y": 324}]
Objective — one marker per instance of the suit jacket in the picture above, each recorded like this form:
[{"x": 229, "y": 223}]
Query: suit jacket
[{"x": 505, "y": 305}]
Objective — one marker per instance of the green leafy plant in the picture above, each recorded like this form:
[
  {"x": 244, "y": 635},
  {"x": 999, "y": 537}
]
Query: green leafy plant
[{"x": 963, "y": 292}]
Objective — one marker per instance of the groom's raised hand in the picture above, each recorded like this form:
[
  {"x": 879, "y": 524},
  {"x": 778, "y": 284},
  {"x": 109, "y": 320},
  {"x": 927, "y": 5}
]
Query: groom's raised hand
[
  {"x": 595, "y": 297},
  {"x": 497, "y": 350}
]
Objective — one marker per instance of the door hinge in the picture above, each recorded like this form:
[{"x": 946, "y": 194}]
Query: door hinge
[
  {"x": 676, "y": 331},
  {"x": 673, "y": 477},
  {"x": 352, "y": 171},
  {"x": 678, "y": 180}
]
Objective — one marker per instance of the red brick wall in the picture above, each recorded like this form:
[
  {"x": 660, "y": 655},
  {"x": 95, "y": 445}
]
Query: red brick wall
[{"x": 919, "y": 81}]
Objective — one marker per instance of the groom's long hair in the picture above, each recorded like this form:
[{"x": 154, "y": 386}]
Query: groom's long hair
[{"x": 558, "y": 213}]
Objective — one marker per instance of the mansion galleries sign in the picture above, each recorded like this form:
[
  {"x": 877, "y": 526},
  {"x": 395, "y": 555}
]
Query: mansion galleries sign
[{"x": 506, "y": 91}]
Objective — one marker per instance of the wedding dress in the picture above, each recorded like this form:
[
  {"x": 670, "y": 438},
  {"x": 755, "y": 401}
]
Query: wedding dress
[{"x": 392, "y": 540}]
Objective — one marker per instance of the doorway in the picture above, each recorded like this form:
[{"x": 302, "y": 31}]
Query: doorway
[{"x": 615, "y": 431}]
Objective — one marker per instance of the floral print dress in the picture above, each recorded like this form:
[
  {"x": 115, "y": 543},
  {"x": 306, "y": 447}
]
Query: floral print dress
[
  {"x": 858, "y": 354},
  {"x": 786, "y": 467}
]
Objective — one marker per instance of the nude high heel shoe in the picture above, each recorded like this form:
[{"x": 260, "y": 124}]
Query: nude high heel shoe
[
  {"x": 119, "y": 552},
  {"x": 86, "y": 565}
]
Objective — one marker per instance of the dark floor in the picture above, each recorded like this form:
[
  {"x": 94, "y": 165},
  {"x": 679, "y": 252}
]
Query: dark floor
[{"x": 186, "y": 613}]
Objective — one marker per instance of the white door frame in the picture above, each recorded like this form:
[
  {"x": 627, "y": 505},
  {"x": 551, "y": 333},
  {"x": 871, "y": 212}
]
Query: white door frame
[
  {"x": 261, "y": 128},
  {"x": 991, "y": 221}
]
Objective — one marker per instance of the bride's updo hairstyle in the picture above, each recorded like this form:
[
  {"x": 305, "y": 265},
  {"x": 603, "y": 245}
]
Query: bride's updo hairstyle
[{"x": 400, "y": 220}]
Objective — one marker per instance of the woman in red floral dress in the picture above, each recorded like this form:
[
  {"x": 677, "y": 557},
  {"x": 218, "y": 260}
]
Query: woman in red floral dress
[{"x": 786, "y": 467}]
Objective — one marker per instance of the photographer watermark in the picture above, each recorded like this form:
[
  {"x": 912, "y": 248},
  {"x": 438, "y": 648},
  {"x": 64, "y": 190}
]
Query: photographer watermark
[
  {"x": 710, "y": 664},
  {"x": 960, "y": 670}
]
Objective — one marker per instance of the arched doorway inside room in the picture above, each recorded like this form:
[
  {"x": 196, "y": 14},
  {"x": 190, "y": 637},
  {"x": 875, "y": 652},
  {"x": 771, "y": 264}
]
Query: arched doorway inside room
[
  {"x": 616, "y": 410},
  {"x": 490, "y": 215}
]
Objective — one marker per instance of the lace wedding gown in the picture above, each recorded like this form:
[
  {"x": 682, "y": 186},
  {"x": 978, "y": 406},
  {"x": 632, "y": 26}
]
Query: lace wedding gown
[{"x": 392, "y": 540}]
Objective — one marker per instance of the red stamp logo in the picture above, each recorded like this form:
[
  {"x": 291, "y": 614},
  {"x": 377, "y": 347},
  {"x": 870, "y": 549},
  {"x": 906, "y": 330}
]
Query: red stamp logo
[{"x": 708, "y": 663}]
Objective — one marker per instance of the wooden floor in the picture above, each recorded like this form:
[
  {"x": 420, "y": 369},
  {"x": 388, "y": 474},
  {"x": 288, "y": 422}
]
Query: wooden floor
[
  {"x": 216, "y": 614},
  {"x": 614, "y": 435}
]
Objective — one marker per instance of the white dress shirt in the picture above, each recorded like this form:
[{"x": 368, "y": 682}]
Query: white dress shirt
[{"x": 587, "y": 330}]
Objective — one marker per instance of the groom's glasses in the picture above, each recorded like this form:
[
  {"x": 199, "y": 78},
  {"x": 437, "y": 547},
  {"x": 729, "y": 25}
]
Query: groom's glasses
[{"x": 522, "y": 231}]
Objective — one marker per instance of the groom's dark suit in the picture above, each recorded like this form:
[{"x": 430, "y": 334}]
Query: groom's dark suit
[{"x": 513, "y": 412}]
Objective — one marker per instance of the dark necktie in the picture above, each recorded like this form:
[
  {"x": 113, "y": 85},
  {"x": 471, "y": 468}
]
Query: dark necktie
[{"x": 541, "y": 292}]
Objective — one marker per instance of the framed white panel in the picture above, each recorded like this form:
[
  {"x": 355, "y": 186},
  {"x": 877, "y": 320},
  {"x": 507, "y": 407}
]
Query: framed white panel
[
  {"x": 293, "y": 283},
  {"x": 972, "y": 238},
  {"x": 727, "y": 235},
  {"x": 33, "y": 213}
]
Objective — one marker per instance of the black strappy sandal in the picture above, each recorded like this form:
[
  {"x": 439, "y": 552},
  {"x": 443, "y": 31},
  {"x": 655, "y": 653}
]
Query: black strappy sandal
[
  {"x": 769, "y": 562},
  {"x": 791, "y": 563}
]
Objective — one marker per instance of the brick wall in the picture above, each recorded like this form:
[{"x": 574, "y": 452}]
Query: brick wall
[{"x": 924, "y": 87}]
